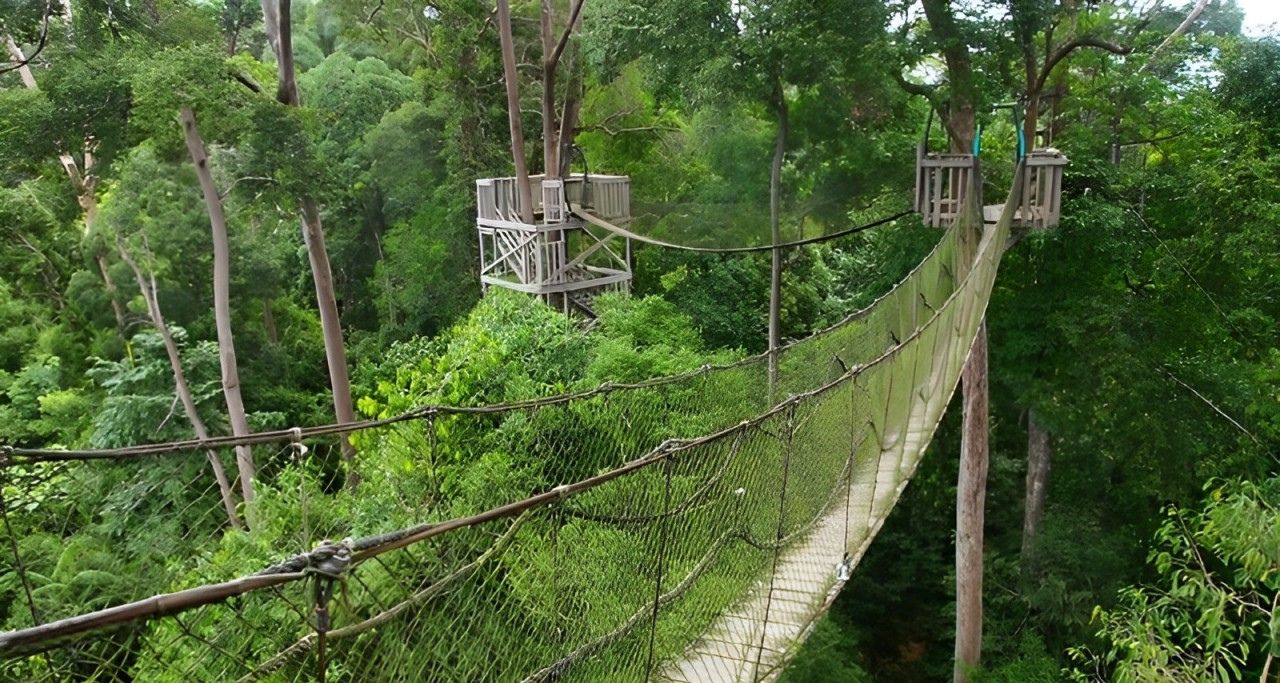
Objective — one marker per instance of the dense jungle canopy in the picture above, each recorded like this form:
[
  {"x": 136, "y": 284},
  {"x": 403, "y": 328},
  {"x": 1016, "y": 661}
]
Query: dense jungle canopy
[{"x": 1134, "y": 350}]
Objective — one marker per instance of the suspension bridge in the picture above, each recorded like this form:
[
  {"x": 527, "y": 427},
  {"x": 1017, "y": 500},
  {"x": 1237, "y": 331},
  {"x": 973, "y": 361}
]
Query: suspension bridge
[{"x": 694, "y": 530}]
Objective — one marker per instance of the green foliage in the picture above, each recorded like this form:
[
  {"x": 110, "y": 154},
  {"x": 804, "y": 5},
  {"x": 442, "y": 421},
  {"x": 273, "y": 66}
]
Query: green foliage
[
  {"x": 139, "y": 404},
  {"x": 827, "y": 656},
  {"x": 1130, "y": 331},
  {"x": 1250, "y": 83},
  {"x": 1211, "y": 615},
  {"x": 194, "y": 77}
]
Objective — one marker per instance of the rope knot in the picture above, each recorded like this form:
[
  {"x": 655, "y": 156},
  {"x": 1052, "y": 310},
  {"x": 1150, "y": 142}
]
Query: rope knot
[
  {"x": 330, "y": 559},
  {"x": 299, "y": 449}
]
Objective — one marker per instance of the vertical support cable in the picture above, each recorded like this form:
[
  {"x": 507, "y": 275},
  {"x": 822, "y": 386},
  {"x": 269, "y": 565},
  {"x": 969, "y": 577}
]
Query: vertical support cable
[
  {"x": 843, "y": 569},
  {"x": 782, "y": 522},
  {"x": 662, "y": 561},
  {"x": 558, "y": 631},
  {"x": 299, "y": 453},
  {"x": 13, "y": 543},
  {"x": 431, "y": 449},
  {"x": 323, "y": 589}
]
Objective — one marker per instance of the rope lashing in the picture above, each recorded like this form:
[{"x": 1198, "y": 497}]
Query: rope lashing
[
  {"x": 330, "y": 559},
  {"x": 328, "y": 563}
]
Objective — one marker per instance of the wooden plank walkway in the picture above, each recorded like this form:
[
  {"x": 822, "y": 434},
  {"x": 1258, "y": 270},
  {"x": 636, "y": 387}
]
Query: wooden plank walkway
[{"x": 754, "y": 640}]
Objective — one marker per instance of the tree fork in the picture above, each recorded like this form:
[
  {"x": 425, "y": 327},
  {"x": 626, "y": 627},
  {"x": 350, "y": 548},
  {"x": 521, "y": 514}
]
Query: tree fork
[
  {"x": 278, "y": 27},
  {"x": 147, "y": 285}
]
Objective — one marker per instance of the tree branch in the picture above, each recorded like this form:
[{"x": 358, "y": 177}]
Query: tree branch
[
  {"x": 1182, "y": 28},
  {"x": 554, "y": 58},
  {"x": 23, "y": 61},
  {"x": 1072, "y": 45}
]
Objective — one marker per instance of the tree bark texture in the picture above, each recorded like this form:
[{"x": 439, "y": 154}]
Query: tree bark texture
[
  {"x": 277, "y": 22},
  {"x": 961, "y": 118},
  {"x": 511, "y": 78},
  {"x": 550, "y": 145},
  {"x": 335, "y": 351},
  {"x": 222, "y": 302},
  {"x": 775, "y": 234},
  {"x": 1039, "y": 457},
  {"x": 83, "y": 183},
  {"x": 147, "y": 285},
  {"x": 971, "y": 492}
]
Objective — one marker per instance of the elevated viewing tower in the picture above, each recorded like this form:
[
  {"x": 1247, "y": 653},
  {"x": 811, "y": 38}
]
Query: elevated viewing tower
[
  {"x": 559, "y": 256},
  {"x": 942, "y": 179}
]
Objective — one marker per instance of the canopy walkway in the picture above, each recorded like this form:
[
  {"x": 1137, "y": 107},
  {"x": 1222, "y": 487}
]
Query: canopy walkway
[{"x": 696, "y": 533}]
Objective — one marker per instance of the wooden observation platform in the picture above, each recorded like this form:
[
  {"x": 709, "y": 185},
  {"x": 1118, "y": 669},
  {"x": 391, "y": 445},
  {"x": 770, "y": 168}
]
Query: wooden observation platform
[
  {"x": 942, "y": 179},
  {"x": 558, "y": 257}
]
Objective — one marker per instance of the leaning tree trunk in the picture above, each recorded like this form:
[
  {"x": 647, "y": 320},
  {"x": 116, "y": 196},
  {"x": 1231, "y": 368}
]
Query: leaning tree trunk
[
  {"x": 775, "y": 234},
  {"x": 147, "y": 285},
  {"x": 277, "y": 25},
  {"x": 222, "y": 302},
  {"x": 511, "y": 78},
  {"x": 82, "y": 183},
  {"x": 1039, "y": 458},
  {"x": 572, "y": 102}
]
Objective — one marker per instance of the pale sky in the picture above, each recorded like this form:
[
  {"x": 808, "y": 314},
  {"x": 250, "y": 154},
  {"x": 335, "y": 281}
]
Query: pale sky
[{"x": 1258, "y": 15}]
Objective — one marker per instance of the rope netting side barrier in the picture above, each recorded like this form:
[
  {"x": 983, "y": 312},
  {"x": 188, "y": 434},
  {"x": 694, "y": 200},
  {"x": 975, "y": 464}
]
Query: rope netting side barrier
[
  {"x": 158, "y": 504},
  {"x": 687, "y": 530}
]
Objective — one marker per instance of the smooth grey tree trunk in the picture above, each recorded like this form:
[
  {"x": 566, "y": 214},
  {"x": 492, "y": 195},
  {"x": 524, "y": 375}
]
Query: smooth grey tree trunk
[
  {"x": 222, "y": 302},
  {"x": 550, "y": 145},
  {"x": 277, "y": 25},
  {"x": 147, "y": 285}
]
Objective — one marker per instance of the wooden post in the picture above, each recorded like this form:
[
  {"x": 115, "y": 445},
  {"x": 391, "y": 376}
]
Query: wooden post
[{"x": 971, "y": 494}]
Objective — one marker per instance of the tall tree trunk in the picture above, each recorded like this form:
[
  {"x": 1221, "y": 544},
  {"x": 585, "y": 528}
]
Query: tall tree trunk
[
  {"x": 271, "y": 27},
  {"x": 971, "y": 485},
  {"x": 775, "y": 234},
  {"x": 269, "y": 321},
  {"x": 1039, "y": 458},
  {"x": 222, "y": 302},
  {"x": 971, "y": 493},
  {"x": 24, "y": 69},
  {"x": 335, "y": 351},
  {"x": 147, "y": 285},
  {"x": 572, "y": 108},
  {"x": 511, "y": 78},
  {"x": 961, "y": 115},
  {"x": 280, "y": 34},
  {"x": 550, "y": 145},
  {"x": 116, "y": 307}
]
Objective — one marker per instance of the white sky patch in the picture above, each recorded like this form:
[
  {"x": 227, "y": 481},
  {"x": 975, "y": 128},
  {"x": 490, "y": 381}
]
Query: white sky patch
[{"x": 1261, "y": 17}]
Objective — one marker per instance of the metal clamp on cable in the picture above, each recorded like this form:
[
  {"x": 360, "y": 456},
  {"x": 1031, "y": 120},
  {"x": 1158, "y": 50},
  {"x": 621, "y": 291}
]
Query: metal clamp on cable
[{"x": 330, "y": 559}]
